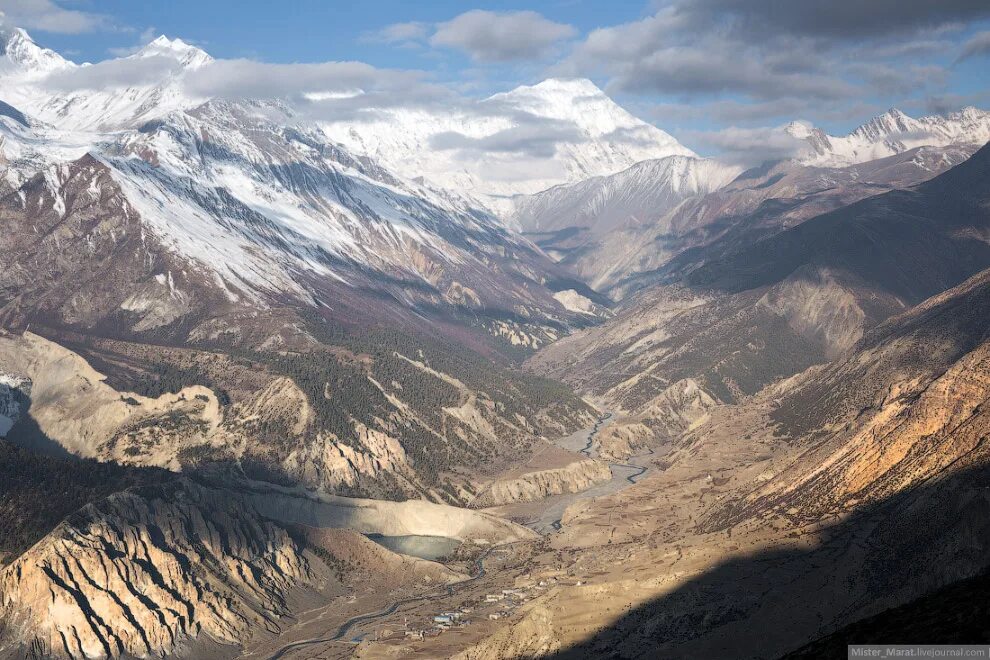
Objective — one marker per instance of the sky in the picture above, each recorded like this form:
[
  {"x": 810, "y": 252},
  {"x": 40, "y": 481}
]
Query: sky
[{"x": 717, "y": 74}]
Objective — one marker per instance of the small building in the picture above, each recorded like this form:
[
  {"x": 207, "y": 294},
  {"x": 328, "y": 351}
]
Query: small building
[
  {"x": 443, "y": 618},
  {"x": 494, "y": 617}
]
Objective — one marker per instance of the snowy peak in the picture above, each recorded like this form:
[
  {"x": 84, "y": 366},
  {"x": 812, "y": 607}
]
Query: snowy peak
[
  {"x": 884, "y": 126},
  {"x": 481, "y": 151},
  {"x": 555, "y": 90},
  {"x": 19, "y": 54},
  {"x": 571, "y": 86},
  {"x": 891, "y": 133},
  {"x": 188, "y": 55},
  {"x": 47, "y": 87},
  {"x": 582, "y": 102}
]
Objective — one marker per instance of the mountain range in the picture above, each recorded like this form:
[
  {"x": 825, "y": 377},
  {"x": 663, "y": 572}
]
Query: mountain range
[{"x": 255, "y": 356}]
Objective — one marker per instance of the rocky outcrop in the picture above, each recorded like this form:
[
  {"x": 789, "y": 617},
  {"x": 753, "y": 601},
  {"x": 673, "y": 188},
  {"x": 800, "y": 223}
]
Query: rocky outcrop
[
  {"x": 572, "y": 478},
  {"x": 143, "y": 573},
  {"x": 74, "y": 406},
  {"x": 623, "y": 438}
]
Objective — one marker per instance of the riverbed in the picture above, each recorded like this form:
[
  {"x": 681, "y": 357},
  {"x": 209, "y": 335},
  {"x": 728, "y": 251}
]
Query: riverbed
[{"x": 544, "y": 516}]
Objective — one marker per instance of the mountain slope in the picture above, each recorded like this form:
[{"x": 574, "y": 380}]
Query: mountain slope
[
  {"x": 589, "y": 225},
  {"x": 847, "y": 490},
  {"x": 801, "y": 296},
  {"x": 241, "y": 204},
  {"x": 220, "y": 208},
  {"x": 660, "y": 219}
]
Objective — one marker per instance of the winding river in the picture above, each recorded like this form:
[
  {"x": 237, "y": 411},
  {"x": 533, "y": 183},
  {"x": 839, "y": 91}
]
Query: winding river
[
  {"x": 548, "y": 521},
  {"x": 623, "y": 475}
]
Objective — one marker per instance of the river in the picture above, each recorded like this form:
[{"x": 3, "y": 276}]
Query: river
[{"x": 544, "y": 516}]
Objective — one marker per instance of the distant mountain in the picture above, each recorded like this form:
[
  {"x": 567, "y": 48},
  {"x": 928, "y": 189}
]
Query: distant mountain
[
  {"x": 659, "y": 219},
  {"x": 32, "y": 78},
  {"x": 595, "y": 137},
  {"x": 590, "y": 225},
  {"x": 768, "y": 310},
  {"x": 891, "y": 133},
  {"x": 246, "y": 205},
  {"x": 614, "y": 231}
]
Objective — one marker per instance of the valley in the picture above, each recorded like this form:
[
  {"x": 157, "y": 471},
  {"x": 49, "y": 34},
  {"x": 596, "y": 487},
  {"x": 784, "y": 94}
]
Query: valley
[{"x": 336, "y": 359}]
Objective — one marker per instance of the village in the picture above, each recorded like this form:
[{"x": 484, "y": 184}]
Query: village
[{"x": 494, "y": 606}]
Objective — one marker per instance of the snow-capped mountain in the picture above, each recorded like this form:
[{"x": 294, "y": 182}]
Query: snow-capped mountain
[
  {"x": 483, "y": 150},
  {"x": 255, "y": 211},
  {"x": 239, "y": 204},
  {"x": 590, "y": 225},
  {"x": 44, "y": 85},
  {"x": 891, "y": 133},
  {"x": 472, "y": 150},
  {"x": 602, "y": 204},
  {"x": 22, "y": 59}
]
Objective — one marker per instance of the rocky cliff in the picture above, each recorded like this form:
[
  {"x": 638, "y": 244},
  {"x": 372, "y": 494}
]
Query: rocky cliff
[
  {"x": 148, "y": 572},
  {"x": 572, "y": 478}
]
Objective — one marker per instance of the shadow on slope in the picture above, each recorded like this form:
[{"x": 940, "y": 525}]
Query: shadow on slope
[
  {"x": 953, "y": 614},
  {"x": 770, "y": 603},
  {"x": 26, "y": 433},
  {"x": 910, "y": 243}
]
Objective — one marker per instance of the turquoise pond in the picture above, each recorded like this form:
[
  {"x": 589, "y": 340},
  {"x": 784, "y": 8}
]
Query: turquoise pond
[{"x": 424, "y": 547}]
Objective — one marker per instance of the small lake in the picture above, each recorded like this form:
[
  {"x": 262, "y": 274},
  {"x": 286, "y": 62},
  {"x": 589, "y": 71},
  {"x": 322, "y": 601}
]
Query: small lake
[{"x": 424, "y": 547}]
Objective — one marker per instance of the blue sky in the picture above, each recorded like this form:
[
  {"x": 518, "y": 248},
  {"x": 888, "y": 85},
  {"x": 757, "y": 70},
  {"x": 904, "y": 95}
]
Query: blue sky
[{"x": 701, "y": 69}]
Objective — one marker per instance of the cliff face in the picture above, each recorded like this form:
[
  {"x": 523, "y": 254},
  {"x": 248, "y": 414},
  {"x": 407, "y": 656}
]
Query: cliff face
[
  {"x": 145, "y": 572},
  {"x": 572, "y": 478},
  {"x": 907, "y": 406}
]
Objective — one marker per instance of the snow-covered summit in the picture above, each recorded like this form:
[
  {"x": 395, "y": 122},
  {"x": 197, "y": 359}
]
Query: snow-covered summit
[
  {"x": 481, "y": 150},
  {"x": 21, "y": 56},
  {"x": 581, "y": 101},
  {"x": 189, "y": 56},
  {"x": 516, "y": 142},
  {"x": 107, "y": 96},
  {"x": 891, "y": 133}
]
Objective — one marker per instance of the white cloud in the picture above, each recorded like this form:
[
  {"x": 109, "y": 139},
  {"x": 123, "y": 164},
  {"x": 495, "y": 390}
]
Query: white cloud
[
  {"x": 243, "y": 78},
  {"x": 112, "y": 74},
  {"x": 750, "y": 145},
  {"x": 501, "y": 37},
  {"x": 47, "y": 16},
  {"x": 538, "y": 138},
  {"x": 398, "y": 33}
]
